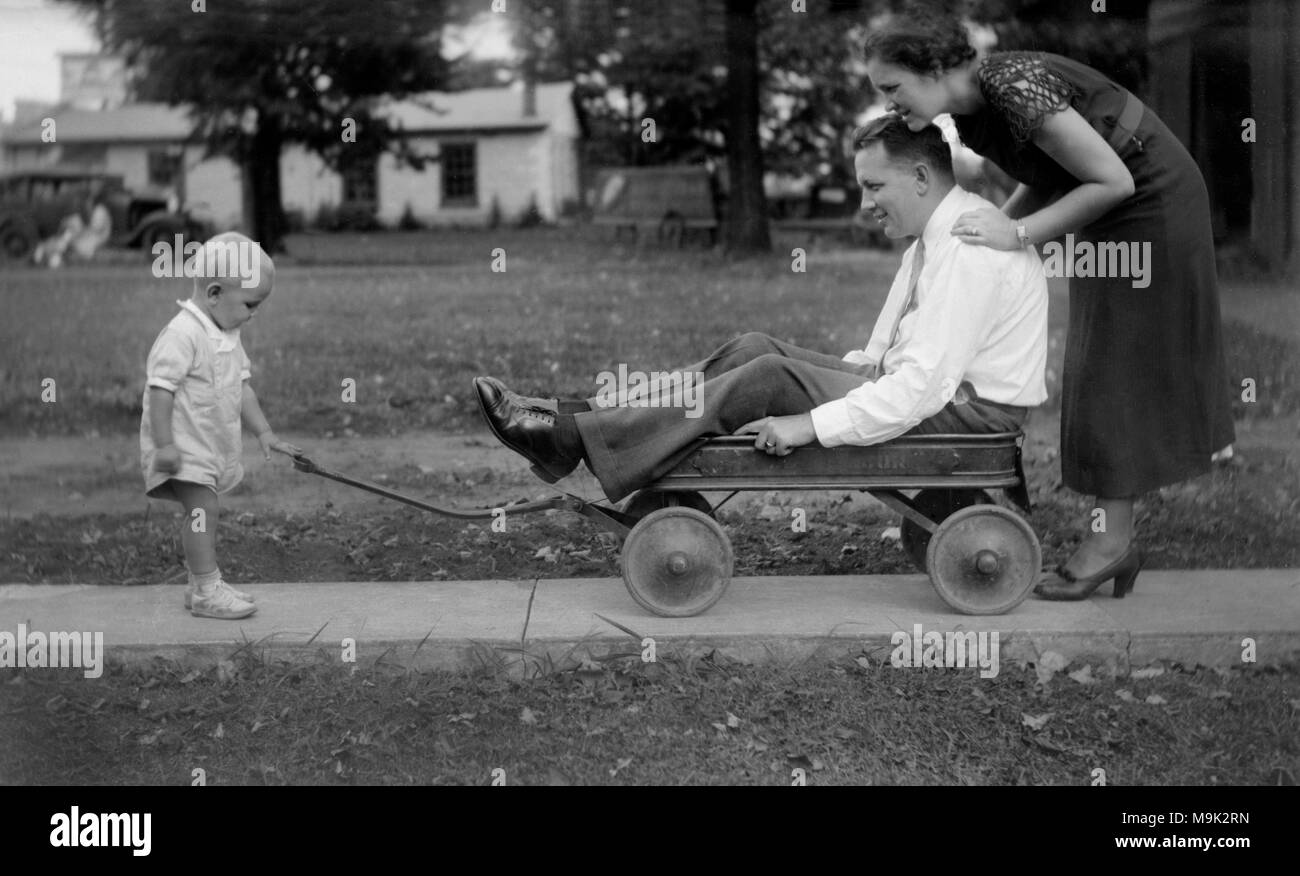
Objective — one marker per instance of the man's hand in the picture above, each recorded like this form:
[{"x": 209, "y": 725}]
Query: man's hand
[
  {"x": 779, "y": 435},
  {"x": 167, "y": 460},
  {"x": 987, "y": 227},
  {"x": 270, "y": 442}
]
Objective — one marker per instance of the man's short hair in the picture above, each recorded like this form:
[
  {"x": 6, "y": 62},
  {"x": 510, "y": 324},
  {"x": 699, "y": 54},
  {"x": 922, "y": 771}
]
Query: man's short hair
[{"x": 926, "y": 146}]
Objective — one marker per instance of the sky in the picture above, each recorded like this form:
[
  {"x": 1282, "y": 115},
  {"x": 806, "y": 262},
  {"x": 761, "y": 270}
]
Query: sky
[{"x": 32, "y": 33}]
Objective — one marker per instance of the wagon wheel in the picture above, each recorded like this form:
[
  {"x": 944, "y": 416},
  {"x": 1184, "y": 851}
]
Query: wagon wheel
[
  {"x": 677, "y": 562},
  {"x": 937, "y": 505},
  {"x": 646, "y": 501},
  {"x": 984, "y": 559}
]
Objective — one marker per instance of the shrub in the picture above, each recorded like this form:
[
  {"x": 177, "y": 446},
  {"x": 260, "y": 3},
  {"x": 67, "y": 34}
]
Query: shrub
[
  {"x": 358, "y": 216},
  {"x": 1272, "y": 362},
  {"x": 408, "y": 222}
]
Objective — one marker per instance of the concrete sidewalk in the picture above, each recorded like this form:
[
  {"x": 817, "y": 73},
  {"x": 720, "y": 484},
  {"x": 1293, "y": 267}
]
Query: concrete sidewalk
[{"x": 1185, "y": 616}]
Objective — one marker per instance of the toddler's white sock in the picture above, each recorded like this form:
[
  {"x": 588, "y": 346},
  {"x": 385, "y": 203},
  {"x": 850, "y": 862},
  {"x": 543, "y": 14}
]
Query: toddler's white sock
[{"x": 203, "y": 584}]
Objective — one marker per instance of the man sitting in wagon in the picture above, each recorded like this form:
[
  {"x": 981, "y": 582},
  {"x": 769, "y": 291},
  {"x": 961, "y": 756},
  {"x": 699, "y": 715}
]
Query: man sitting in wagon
[{"x": 959, "y": 347}]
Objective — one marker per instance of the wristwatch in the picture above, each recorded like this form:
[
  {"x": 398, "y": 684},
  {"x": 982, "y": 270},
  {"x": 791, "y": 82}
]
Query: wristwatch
[{"x": 1023, "y": 234}]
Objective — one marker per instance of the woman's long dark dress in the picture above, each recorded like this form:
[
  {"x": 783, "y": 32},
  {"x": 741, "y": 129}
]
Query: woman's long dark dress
[{"x": 1145, "y": 394}]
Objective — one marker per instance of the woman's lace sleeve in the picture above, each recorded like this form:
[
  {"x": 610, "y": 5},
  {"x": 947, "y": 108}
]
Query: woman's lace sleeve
[{"x": 1024, "y": 91}]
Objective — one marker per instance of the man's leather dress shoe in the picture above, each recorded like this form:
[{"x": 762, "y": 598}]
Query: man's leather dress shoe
[
  {"x": 526, "y": 429},
  {"x": 547, "y": 405}
]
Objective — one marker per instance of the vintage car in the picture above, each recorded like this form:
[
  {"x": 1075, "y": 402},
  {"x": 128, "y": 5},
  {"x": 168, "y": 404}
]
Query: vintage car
[{"x": 34, "y": 204}]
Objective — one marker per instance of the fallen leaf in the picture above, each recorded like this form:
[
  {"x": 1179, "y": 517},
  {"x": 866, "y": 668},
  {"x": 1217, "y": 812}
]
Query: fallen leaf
[
  {"x": 1126, "y": 696},
  {"x": 1149, "y": 672},
  {"x": 225, "y": 671},
  {"x": 1049, "y": 663},
  {"x": 1084, "y": 675},
  {"x": 799, "y": 760},
  {"x": 220, "y": 732},
  {"x": 621, "y": 764},
  {"x": 527, "y": 716},
  {"x": 891, "y": 533},
  {"x": 1045, "y": 743},
  {"x": 1156, "y": 700},
  {"x": 732, "y": 721},
  {"x": 1035, "y": 722}
]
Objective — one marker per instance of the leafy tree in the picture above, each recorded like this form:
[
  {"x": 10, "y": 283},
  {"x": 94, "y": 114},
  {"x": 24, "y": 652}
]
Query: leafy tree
[
  {"x": 669, "y": 63},
  {"x": 1113, "y": 42},
  {"x": 261, "y": 74},
  {"x": 746, "y": 228}
]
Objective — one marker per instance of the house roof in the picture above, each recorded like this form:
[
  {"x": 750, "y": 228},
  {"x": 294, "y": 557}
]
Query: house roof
[
  {"x": 494, "y": 109},
  {"x": 131, "y": 122}
]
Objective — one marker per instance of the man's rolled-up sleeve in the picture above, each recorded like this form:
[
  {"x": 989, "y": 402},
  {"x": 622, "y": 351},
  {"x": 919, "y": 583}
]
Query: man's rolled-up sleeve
[{"x": 951, "y": 324}]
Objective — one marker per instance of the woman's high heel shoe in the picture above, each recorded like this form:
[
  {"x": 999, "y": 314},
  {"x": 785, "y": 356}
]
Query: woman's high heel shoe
[{"x": 1124, "y": 571}]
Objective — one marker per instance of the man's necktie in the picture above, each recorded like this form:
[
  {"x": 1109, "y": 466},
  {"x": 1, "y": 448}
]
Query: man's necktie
[{"x": 909, "y": 302}]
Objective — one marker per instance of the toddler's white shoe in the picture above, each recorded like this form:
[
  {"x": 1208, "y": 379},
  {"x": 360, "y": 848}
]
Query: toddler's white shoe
[
  {"x": 238, "y": 594},
  {"x": 220, "y": 603}
]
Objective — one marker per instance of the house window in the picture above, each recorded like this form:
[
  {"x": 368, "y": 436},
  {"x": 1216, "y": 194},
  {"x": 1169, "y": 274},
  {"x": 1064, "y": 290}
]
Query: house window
[
  {"x": 459, "y": 175},
  {"x": 164, "y": 168},
  {"x": 87, "y": 156},
  {"x": 360, "y": 179}
]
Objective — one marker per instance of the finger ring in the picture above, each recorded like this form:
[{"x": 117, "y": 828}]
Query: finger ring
[{"x": 768, "y": 444}]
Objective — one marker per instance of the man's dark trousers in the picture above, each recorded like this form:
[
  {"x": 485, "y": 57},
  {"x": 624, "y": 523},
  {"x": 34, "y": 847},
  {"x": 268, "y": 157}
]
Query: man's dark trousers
[{"x": 747, "y": 378}]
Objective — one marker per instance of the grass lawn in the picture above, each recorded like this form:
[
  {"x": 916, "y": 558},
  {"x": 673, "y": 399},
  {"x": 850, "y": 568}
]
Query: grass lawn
[
  {"x": 413, "y": 336},
  {"x": 413, "y": 317},
  {"x": 702, "y": 722}
]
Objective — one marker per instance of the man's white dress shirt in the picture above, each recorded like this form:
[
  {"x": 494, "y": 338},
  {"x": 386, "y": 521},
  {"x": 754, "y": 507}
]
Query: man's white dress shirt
[{"x": 979, "y": 316}]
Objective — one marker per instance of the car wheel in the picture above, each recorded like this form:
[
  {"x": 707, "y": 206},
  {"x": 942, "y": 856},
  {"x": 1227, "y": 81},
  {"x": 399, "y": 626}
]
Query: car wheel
[
  {"x": 17, "y": 240},
  {"x": 157, "y": 234}
]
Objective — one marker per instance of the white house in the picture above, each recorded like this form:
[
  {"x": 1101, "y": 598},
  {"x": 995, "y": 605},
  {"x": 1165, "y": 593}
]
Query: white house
[{"x": 492, "y": 144}]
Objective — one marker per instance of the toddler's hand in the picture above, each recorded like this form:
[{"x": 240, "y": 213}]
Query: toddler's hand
[
  {"x": 167, "y": 460},
  {"x": 270, "y": 442}
]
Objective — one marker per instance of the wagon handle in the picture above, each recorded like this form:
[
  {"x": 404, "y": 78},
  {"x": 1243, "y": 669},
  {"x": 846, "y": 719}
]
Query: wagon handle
[{"x": 304, "y": 463}]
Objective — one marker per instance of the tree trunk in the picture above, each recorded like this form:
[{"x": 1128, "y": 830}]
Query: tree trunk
[
  {"x": 746, "y": 229},
  {"x": 262, "y": 169}
]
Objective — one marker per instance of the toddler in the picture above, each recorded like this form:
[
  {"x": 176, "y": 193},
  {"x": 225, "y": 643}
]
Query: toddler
[{"x": 196, "y": 397}]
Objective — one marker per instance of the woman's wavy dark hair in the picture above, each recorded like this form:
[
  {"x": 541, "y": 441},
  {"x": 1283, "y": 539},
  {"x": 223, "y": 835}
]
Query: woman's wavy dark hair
[{"x": 920, "y": 40}]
